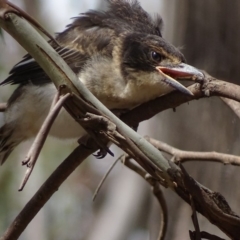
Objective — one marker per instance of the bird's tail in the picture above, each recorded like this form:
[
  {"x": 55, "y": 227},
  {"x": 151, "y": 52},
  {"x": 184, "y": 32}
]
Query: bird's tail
[{"x": 7, "y": 142}]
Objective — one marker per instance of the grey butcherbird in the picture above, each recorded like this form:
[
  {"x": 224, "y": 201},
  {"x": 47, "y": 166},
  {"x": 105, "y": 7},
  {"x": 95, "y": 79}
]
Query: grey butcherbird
[{"x": 118, "y": 54}]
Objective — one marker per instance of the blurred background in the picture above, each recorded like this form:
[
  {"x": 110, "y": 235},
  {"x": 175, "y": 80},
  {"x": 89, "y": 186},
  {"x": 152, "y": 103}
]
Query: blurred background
[{"x": 207, "y": 32}]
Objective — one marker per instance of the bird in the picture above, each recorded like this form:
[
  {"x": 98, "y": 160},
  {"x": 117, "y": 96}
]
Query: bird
[{"x": 119, "y": 54}]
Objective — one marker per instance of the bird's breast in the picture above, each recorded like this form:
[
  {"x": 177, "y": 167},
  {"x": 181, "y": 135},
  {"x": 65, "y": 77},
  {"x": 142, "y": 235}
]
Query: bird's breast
[{"x": 103, "y": 77}]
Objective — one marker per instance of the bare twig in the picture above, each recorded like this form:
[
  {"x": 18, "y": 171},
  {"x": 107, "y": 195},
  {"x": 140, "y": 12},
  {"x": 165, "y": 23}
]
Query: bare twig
[
  {"x": 164, "y": 213},
  {"x": 126, "y": 160},
  {"x": 195, "y": 220},
  {"x": 210, "y": 87},
  {"x": 39, "y": 141},
  {"x": 97, "y": 118},
  {"x": 3, "y": 107},
  {"x": 104, "y": 178},
  {"x": 184, "y": 156},
  {"x": 234, "y": 105}
]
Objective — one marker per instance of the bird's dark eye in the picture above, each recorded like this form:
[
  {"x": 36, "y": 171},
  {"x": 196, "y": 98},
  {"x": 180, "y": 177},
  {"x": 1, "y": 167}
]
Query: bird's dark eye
[{"x": 156, "y": 56}]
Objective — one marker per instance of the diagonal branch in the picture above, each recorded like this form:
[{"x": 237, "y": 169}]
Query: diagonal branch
[
  {"x": 48, "y": 188},
  {"x": 210, "y": 204},
  {"x": 40, "y": 139},
  {"x": 233, "y": 105},
  {"x": 210, "y": 87}
]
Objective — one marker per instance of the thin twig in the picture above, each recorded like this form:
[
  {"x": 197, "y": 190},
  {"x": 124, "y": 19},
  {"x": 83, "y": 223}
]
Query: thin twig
[
  {"x": 55, "y": 99},
  {"x": 195, "y": 220},
  {"x": 164, "y": 212},
  {"x": 126, "y": 160},
  {"x": 210, "y": 87},
  {"x": 104, "y": 178},
  {"x": 39, "y": 141},
  {"x": 185, "y": 156},
  {"x": 233, "y": 105}
]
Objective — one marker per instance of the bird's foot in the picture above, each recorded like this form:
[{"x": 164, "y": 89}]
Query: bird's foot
[
  {"x": 103, "y": 153},
  {"x": 84, "y": 141}
]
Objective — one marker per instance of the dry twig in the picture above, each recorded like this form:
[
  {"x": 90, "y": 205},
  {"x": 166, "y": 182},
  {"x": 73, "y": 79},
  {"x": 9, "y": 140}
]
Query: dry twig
[
  {"x": 39, "y": 141},
  {"x": 197, "y": 235},
  {"x": 104, "y": 178},
  {"x": 210, "y": 87},
  {"x": 233, "y": 105},
  {"x": 184, "y": 156},
  {"x": 126, "y": 160}
]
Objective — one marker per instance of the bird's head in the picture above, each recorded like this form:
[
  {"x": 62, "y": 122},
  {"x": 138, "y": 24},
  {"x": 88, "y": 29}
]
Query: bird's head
[
  {"x": 151, "y": 63},
  {"x": 127, "y": 62}
]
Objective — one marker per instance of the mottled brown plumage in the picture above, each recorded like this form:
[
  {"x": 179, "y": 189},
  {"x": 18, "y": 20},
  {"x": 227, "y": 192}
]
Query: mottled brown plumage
[{"x": 120, "y": 56}]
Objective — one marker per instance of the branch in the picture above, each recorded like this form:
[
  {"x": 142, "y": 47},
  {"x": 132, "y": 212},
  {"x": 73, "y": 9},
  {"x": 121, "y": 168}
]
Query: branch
[
  {"x": 156, "y": 191},
  {"x": 50, "y": 186},
  {"x": 185, "y": 156},
  {"x": 40, "y": 139},
  {"x": 209, "y": 87},
  {"x": 233, "y": 105},
  {"x": 104, "y": 178},
  {"x": 195, "y": 221},
  {"x": 210, "y": 204}
]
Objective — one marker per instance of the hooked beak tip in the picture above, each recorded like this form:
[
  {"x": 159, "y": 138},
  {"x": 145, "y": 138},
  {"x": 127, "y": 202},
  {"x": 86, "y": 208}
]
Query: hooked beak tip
[{"x": 174, "y": 83}]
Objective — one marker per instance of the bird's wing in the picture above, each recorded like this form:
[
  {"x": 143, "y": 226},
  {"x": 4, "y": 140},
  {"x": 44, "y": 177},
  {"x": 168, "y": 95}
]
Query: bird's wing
[
  {"x": 90, "y": 33},
  {"x": 28, "y": 70},
  {"x": 78, "y": 43}
]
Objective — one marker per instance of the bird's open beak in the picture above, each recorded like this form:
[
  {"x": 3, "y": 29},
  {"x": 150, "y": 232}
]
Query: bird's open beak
[{"x": 182, "y": 71}]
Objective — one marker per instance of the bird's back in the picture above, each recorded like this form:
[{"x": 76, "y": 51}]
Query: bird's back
[{"x": 91, "y": 33}]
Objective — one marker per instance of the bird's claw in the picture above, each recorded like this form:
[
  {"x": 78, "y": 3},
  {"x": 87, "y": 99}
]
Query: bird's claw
[{"x": 103, "y": 153}]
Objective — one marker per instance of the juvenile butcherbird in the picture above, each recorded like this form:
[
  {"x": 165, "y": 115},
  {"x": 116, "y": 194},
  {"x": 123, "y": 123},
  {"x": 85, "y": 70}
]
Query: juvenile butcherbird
[{"x": 118, "y": 54}]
